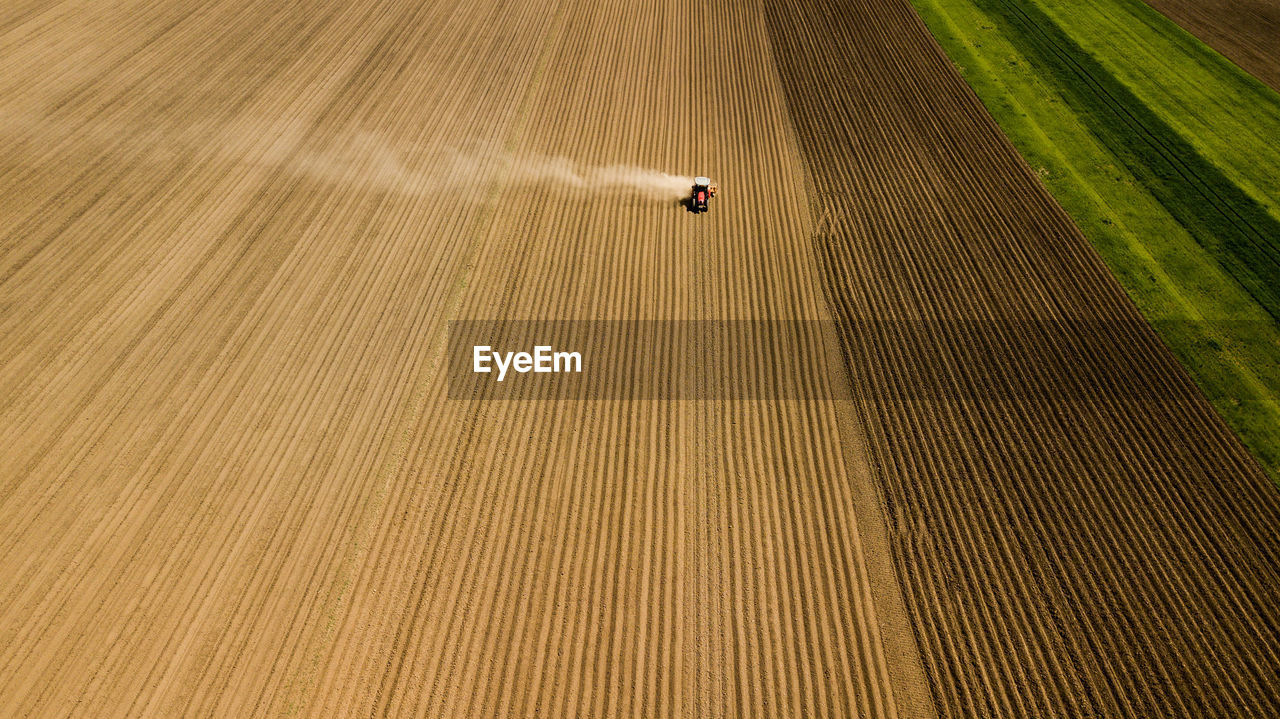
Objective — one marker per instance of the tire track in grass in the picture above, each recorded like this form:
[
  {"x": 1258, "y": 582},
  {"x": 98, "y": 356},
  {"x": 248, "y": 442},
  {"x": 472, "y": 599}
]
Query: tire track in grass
[
  {"x": 1225, "y": 220},
  {"x": 1245, "y": 31}
]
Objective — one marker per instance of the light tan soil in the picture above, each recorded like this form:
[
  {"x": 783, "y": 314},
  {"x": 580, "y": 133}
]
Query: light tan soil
[{"x": 232, "y": 237}]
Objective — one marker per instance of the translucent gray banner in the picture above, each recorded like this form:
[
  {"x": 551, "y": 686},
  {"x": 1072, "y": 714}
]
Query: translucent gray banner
[{"x": 899, "y": 360}]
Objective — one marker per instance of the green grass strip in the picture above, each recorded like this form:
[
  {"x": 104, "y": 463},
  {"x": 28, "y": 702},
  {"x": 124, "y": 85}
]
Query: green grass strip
[
  {"x": 1221, "y": 216},
  {"x": 1179, "y": 223}
]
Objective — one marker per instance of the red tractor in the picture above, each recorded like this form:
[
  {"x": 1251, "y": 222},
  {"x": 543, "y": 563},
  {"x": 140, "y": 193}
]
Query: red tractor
[{"x": 703, "y": 190}]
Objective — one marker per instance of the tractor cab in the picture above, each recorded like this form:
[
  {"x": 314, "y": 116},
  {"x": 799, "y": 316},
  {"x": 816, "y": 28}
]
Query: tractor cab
[{"x": 703, "y": 190}]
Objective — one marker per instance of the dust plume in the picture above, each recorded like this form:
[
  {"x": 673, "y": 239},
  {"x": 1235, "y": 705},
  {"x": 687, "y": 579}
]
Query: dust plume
[
  {"x": 647, "y": 183},
  {"x": 367, "y": 159},
  {"x": 352, "y": 160}
]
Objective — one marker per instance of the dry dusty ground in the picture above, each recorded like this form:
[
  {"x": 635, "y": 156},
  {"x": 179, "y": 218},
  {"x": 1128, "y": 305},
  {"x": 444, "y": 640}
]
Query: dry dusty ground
[
  {"x": 233, "y": 235},
  {"x": 232, "y": 484},
  {"x": 1247, "y": 32}
]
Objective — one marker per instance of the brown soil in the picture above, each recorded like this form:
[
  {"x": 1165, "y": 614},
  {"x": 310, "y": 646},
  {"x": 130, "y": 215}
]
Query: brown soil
[
  {"x": 232, "y": 483},
  {"x": 1069, "y": 555},
  {"x": 1247, "y": 32}
]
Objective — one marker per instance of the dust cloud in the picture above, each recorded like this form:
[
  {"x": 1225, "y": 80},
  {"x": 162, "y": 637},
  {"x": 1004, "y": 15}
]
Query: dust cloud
[
  {"x": 369, "y": 160},
  {"x": 360, "y": 160},
  {"x": 613, "y": 178}
]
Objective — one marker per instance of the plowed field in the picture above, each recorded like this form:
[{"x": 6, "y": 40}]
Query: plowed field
[
  {"x": 233, "y": 236},
  {"x": 1247, "y": 32},
  {"x": 1071, "y": 554}
]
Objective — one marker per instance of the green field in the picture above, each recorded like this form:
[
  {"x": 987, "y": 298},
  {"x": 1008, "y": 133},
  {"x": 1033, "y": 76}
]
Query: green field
[{"x": 1164, "y": 154}]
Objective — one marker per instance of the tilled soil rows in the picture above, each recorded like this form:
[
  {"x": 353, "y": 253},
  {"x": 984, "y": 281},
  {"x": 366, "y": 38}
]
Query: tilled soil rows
[
  {"x": 1061, "y": 555},
  {"x": 233, "y": 484}
]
